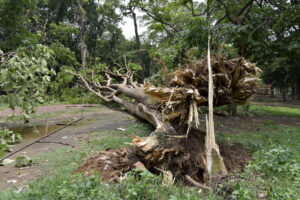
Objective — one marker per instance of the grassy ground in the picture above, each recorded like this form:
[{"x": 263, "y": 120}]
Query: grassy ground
[
  {"x": 274, "y": 172},
  {"x": 61, "y": 184},
  {"x": 272, "y": 110},
  {"x": 3, "y": 106}
]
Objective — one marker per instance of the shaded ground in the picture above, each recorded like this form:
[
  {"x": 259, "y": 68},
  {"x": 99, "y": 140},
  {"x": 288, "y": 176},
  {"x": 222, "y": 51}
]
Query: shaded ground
[
  {"x": 276, "y": 101},
  {"x": 242, "y": 123},
  {"x": 97, "y": 120}
]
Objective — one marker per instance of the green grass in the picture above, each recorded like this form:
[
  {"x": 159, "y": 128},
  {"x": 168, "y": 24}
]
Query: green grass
[
  {"x": 274, "y": 171},
  {"x": 59, "y": 183},
  {"x": 3, "y": 106},
  {"x": 271, "y": 110}
]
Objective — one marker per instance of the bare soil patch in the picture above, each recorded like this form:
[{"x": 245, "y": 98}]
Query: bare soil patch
[
  {"x": 243, "y": 123},
  {"x": 276, "y": 101}
]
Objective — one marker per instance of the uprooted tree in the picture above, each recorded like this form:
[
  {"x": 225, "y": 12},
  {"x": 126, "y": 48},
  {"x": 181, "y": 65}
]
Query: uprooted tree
[{"x": 177, "y": 145}]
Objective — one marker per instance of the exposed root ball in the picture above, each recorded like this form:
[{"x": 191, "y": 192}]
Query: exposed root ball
[{"x": 180, "y": 156}]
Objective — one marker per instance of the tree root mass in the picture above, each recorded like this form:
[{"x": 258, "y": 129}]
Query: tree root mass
[{"x": 182, "y": 157}]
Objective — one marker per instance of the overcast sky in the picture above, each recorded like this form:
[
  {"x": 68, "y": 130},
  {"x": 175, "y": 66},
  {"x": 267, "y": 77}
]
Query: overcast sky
[{"x": 128, "y": 26}]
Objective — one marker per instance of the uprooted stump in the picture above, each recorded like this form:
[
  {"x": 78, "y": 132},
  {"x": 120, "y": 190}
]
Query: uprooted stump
[
  {"x": 181, "y": 156},
  {"x": 176, "y": 145}
]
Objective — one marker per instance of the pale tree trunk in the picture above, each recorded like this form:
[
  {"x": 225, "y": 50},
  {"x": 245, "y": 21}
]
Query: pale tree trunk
[
  {"x": 82, "y": 35},
  {"x": 215, "y": 164}
]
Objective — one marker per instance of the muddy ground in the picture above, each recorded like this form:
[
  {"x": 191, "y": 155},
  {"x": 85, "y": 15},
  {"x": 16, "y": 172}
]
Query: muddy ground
[{"x": 99, "y": 119}]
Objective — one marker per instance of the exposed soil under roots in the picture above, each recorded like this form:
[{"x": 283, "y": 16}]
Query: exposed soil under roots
[{"x": 185, "y": 156}]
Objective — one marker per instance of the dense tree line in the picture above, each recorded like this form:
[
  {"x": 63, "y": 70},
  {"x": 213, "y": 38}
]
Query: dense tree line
[{"x": 86, "y": 35}]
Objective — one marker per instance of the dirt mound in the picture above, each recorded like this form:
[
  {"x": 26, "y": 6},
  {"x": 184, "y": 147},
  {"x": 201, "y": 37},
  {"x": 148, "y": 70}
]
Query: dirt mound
[
  {"x": 184, "y": 156},
  {"x": 111, "y": 164},
  {"x": 235, "y": 156}
]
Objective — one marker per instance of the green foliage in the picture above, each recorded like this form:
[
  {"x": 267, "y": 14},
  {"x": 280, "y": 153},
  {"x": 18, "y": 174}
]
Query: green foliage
[
  {"x": 272, "y": 161},
  {"x": 274, "y": 172},
  {"x": 242, "y": 193},
  {"x": 17, "y": 24},
  {"x": 8, "y": 137},
  {"x": 25, "y": 75},
  {"x": 136, "y": 186},
  {"x": 61, "y": 32},
  {"x": 23, "y": 161}
]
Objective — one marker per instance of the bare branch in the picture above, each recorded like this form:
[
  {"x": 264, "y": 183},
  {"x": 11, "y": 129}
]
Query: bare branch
[
  {"x": 89, "y": 87},
  {"x": 227, "y": 11},
  {"x": 159, "y": 20},
  {"x": 220, "y": 19},
  {"x": 192, "y": 10},
  {"x": 257, "y": 28},
  {"x": 195, "y": 183},
  {"x": 245, "y": 7}
]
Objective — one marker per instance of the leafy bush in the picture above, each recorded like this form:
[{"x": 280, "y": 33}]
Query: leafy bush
[
  {"x": 273, "y": 161},
  {"x": 24, "y": 76},
  {"x": 23, "y": 161},
  {"x": 7, "y": 138},
  {"x": 242, "y": 193},
  {"x": 137, "y": 185}
]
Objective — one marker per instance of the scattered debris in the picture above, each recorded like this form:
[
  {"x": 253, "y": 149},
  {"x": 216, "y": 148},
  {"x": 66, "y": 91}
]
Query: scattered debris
[
  {"x": 195, "y": 183},
  {"x": 139, "y": 165},
  {"x": 121, "y": 129},
  {"x": 6, "y": 161},
  {"x": 12, "y": 181},
  {"x": 168, "y": 178}
]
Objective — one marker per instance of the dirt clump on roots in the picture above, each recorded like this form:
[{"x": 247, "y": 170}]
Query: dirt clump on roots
[{"x": 181, "y": 156}]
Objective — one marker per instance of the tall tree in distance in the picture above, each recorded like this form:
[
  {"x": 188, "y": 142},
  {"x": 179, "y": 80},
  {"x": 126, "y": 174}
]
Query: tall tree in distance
[{"x": 82, "y": 34}]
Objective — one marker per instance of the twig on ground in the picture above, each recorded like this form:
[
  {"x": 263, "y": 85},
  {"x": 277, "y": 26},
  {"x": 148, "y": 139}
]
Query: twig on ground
[{"x": 195, "y": 183}]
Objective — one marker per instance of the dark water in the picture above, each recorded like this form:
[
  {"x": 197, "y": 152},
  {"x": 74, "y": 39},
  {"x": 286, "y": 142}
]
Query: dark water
[
  {"x": 35, "y": 132},
  {"x": 29, "y": 133}
]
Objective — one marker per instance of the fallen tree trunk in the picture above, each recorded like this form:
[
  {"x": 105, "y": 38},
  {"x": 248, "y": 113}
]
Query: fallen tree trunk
[{"x": 175, "y": 145}]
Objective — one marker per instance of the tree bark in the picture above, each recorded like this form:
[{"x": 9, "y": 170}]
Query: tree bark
[
  {"x": 293, "y": 92},
  {"x": 283, "y": 93},
  {"x": 82, "y": 35},
  {"x": 138, "y": 44},
  {"x": 232, "y": 109}
]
